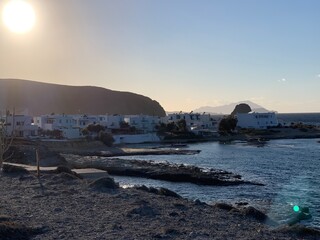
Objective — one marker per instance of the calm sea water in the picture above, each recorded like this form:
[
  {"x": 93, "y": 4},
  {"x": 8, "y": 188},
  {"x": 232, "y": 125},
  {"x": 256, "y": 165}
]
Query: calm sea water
[
  {"x": 307, "y": 118},
  {"x": 290, "y": 170}
]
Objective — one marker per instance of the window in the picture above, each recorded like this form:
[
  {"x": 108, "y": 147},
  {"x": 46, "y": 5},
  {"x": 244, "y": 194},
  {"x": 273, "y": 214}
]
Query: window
[{"x": 20, "y": 123}]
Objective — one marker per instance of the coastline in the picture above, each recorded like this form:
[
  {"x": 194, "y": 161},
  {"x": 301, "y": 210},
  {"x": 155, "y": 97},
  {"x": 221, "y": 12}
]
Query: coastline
[
  {"x": 233, "y": 222},
  {"x": 62, "y": 206}
]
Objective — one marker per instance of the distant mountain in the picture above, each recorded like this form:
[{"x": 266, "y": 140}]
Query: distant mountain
[
  {"x": 227, "y": 109},
  {"x": 36, "y": 98}
]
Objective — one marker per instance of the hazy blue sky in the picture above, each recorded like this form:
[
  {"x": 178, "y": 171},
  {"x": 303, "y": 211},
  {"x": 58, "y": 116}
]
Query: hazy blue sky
[{"x": 184, "y": 54}]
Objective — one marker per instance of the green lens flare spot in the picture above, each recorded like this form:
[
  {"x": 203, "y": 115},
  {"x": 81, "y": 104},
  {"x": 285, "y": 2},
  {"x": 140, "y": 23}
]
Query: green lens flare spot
[{"x": 296, "y": 208}]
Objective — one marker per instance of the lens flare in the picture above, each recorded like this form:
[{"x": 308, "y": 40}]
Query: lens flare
[{"x": 296, "y": 208}]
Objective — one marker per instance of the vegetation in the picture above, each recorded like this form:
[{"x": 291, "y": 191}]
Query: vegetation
[
  {"x": 106, "y": 138},
  {"x": 98, "y": 132},
  {"x": 227, "y": 124},
  {"x": 172, "y": 127},
  {"x": 57, "y": 134},
  {"x": 175, "y": 131},
  {"x": 95, "y": 128}
]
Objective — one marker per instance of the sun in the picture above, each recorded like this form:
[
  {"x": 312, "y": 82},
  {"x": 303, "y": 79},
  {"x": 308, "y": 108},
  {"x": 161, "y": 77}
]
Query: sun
[{"x": 18, "y": 16}]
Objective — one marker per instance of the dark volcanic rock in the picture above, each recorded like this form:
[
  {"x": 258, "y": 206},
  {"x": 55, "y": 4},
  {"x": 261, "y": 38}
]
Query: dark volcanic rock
[
  {"x": 11, "y": 169},
  {"x": 159, "y": 171},
  {"x": 160, "y": 191},
  {"x": 241, "y": 108},
  {"x": 258, "y": 215},
  {"x": 11, "y": 230},
  {"x": 224, "y": 206},
  {"x": 67, "y": 170},
  {"x": 104, "y": 183},
  {"x": 255, "y": 213}
]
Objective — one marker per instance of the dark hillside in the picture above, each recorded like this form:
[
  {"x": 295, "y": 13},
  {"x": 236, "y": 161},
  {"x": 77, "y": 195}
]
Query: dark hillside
[{"x": 44, "y": 98}]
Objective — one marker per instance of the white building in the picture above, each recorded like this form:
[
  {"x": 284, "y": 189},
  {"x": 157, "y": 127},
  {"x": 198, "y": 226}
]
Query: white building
[
  {"x": 53, "y": 122},
  {"x": 20, "y": 126},
  {"x": 82, "y": 121},
  {"x": 143, "y": 123},
  {"x": 257, "y": 120},
  {"x": 194, "y": 120},
  {"x": 113, "y": 121},
  {"x": 64, "y": 123}
]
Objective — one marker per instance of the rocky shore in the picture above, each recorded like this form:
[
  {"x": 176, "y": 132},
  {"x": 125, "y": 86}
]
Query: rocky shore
[
  {"x": 159, "y": 171},
  {"x": 62, "y": 206}
]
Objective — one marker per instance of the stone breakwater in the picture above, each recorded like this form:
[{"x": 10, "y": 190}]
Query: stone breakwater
[{"x": 158, "y": 171}]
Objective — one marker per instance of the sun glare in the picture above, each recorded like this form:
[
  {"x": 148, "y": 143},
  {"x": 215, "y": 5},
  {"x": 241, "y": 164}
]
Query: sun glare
[{"x": 18, "y": 16}]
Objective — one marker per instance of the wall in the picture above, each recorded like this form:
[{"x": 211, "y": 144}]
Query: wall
[{"x": 137, "y": 138}]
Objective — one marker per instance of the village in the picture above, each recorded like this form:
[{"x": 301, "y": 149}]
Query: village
[{"x": 126, "y": 128}]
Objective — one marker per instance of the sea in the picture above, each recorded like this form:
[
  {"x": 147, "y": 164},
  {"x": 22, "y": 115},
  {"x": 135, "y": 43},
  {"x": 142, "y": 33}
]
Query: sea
[{"x": 289, "y": 170}]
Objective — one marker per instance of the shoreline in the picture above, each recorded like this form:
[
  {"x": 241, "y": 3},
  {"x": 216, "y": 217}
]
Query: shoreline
[
  {"x": 62, "y": 206},
  {"x": 245, "y": 135},
  {"x": 158, "y": 171}
]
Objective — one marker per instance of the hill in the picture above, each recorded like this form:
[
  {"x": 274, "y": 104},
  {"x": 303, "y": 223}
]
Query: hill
[
  {"x": 227, "y": 109},
  {"x": 36, "y": 98}
]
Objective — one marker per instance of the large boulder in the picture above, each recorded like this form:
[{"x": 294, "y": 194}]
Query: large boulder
[{"x": 105, "y": 183}]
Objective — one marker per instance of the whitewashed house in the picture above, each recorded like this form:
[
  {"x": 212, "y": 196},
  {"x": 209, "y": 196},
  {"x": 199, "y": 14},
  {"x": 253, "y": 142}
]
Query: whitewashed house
[
  {"x": 64, "y": 123},
  {"x": 194, "y": 120},
  {"x": 143, "y": 123},
  {"x": 83, "y": 121},
  {"x": 52, "y": 122},
  {"x": 20, "y": 126},
  {"x": 114, "y": 121},
  {"x": 257, "y": 120}
]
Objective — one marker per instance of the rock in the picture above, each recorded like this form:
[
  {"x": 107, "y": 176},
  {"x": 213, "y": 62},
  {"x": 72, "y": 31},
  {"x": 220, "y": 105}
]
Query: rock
[
  {"x": 224, "y": 206},
  {"x": 67, "y": 170},
  {"x": 104, "y": 184},
  {"x": 167, "y": 192},
  {"x": 11, "y": 169},
  {"x": 255, "y": 213},
  {"x": 180, "y": 206},
  {"x": 241, "y": 203},
  {"x": 198, "y": 202},
  {"x": 10, "y": 230},
  {"x": 160, "y": 191},
  {"x": 241, "y": 108},
  {"x": 300, "y": 230},
  {"x": 258, "y": 215},
  {"x": 159, "y": 171},
  {"x": 143, "y": 210},
  {"x": 64, "y": 169}
]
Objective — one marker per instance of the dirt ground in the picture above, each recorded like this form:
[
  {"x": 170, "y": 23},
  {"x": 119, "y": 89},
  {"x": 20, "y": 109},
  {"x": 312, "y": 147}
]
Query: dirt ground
[{"x": 62, "y": 206}]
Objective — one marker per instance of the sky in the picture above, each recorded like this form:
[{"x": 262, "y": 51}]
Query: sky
[{"x": 184, "y": 54}]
